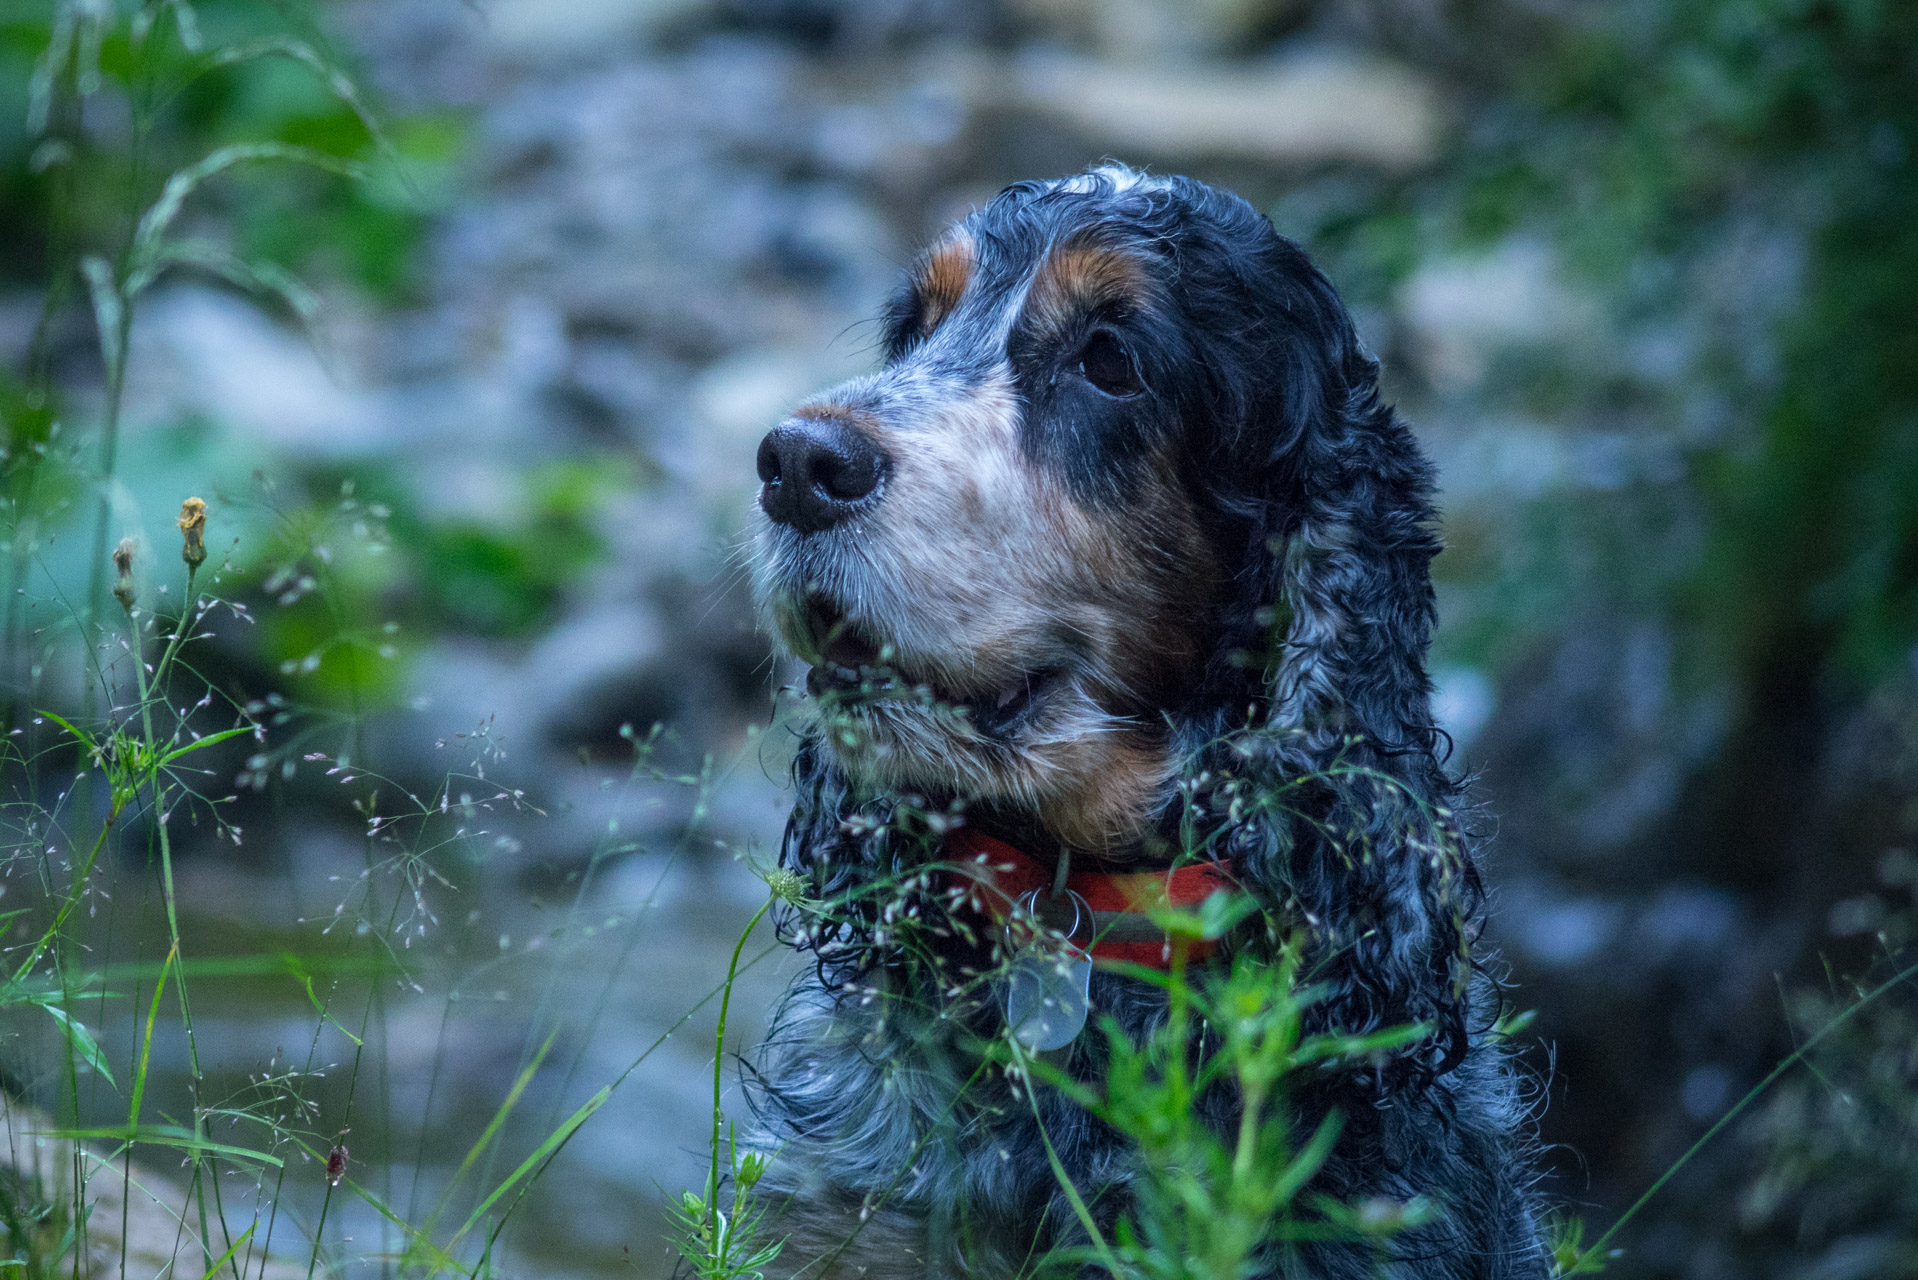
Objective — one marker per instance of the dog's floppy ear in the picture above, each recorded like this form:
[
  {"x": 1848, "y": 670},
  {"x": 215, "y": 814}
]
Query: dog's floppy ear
[
  {"x": 1333, "y": 605},
  {"x": 1341, "y": 816}
]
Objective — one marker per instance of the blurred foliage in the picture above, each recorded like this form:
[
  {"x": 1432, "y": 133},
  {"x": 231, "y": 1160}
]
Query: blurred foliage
[
  {"x": 1659, "y": 135},
  {"x": 356, "y": 581},
  {"x": 255, "y": 73},
  {"x": 1835, "y": 1150},
  {"x": 1734, "y": 181},
  {"x": 38, "y": 1228},
  {"x": 504, "y": 580},
  {"x": 101, "y": 107},
  {"x": 1727, "y": 193}
]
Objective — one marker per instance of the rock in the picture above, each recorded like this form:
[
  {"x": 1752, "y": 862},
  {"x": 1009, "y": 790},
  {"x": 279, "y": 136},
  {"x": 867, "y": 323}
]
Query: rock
[
  {"x": 201, "y": 350},
  {"x": 1462, "y": 311},
  {"x": 1141, "y": 29},
  {"x": 1302, "y": 110},
  {"x": 577, "y": 28}
]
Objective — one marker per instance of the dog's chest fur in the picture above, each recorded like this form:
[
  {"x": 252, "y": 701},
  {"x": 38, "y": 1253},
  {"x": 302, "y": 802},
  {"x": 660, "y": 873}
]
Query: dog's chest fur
[{"x": 897, "y": 1152}]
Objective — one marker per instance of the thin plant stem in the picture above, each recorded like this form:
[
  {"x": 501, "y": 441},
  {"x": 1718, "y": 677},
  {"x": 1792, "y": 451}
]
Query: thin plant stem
[
  {"x": 158, "y": 799},
  {"x": 719, "y": 1063},
  {"x": 1596, "y": 1253}
]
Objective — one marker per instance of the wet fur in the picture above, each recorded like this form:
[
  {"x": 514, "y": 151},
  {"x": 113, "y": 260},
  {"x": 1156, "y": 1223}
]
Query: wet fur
[{"x": 1236, "y": 579}]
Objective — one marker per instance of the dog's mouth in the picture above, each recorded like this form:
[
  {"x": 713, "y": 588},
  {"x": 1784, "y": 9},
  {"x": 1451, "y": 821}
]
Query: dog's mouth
[{"x": 852, "y": 668}]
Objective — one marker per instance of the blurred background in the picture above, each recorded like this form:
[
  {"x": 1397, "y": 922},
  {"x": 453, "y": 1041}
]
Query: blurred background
[{"x": 476, "y": 435}]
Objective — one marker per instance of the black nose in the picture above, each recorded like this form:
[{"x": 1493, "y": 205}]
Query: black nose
[{"x": 817, "y": 472}]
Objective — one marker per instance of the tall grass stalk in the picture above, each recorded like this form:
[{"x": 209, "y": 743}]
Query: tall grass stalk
[{"x": 1591, "y": 1260}]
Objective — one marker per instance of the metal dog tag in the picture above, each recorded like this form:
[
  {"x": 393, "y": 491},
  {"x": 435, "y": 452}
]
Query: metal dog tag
[
  {"x": 1048, "y": 996},
  {"x": 1048, "y": 992}
]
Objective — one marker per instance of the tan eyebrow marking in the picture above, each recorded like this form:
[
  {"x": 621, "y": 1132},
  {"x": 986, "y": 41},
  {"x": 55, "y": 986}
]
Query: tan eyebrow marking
[
  {"x": 1075, "y": 278},
  {"x": 943, "y": 280}
]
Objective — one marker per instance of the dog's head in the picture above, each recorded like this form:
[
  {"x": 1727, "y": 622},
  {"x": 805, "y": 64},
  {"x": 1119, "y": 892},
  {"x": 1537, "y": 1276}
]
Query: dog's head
[{"x": 1122, "y": 473}]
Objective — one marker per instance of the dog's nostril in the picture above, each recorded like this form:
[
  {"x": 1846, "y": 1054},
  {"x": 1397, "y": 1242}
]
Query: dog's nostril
[
  {"x": 817, "y": 471},
  {"x": 768, "y": 460},
  {"x": 848, "y": 476}
]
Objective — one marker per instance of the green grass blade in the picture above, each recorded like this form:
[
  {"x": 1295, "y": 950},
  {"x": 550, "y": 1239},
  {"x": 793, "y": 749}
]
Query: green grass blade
[
  {"x": 492, "y": 1129},
  {"x": 419, "y": 1249},
  {"x": 84, "y": 739},
  {"x": 147, "y": 259},
  {"x": 1307, "y": 1161},
  {"x": 81, "y": 1040},
  {"x": 198, "y": 743},
  {"x": 547, "y": 1149},
  {"x": 166, "y": 1135},
  {"x": 1071, "y": 1190},
  {"x": 146, "y": 1042},
  {"x": 1592, "y": 1259},
  {"x": 230, "y": 1251}
]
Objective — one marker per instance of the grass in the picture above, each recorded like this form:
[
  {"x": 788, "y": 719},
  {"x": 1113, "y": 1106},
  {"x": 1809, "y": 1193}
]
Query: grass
[{"x": 245, "y": 1154}]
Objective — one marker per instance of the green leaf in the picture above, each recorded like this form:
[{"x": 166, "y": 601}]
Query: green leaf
[
  {"x": 485, "y": 1139},
  {"x": 109, "y": 311},
  {"x": 148, "y": 258},
  {"x": 337, "y": 82},
  {"x": 198, "y": 743},
  {"x": 168, "y": 1135},
  {"x": 297, "y": 968},
  {"x": 1307, "y": 1162},
  {"x": 81, "y": 1040},
  {"x": 1346, "y": 1046},
  {"x": 419, "y": 1249},
  {"x": 554, "y": 1141},
  {"x": 230, "y": 1251},
  {"x": 83, "y": 739},
  {"x": 1221, "y": 912}
]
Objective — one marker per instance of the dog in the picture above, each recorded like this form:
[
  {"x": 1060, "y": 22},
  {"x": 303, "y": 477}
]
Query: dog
[{"x": 1118, "y": 540}]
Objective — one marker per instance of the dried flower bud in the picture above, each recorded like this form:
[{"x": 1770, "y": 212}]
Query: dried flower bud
[
  {"x": 193, "y": 530},
  {"x": 123, "y": 561}
]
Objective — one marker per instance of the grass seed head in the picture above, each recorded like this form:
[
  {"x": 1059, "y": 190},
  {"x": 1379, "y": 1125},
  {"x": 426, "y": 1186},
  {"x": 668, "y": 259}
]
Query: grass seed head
[{"x": 786, "y": 885}]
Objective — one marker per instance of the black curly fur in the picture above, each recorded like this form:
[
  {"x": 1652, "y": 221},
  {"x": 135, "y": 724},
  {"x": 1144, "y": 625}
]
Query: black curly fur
[{"x": 1309, "y": 758}]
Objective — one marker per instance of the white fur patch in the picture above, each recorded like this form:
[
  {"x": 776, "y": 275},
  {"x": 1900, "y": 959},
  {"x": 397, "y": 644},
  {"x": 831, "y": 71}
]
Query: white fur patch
[{"x": 1122, "y": 177}]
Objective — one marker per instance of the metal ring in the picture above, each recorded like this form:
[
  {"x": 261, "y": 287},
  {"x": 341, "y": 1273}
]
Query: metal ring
[{"x": 1082, "y": 917}]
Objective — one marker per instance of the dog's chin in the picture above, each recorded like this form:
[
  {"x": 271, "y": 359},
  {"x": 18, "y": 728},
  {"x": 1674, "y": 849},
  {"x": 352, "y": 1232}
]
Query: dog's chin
[
  {"x": 887, "y": 693},
  {"x": 889, "y": 729},
  {"x": 999, "y": 716},
  {"x": 1027, "y": 732},
  {"x": 1053, "y": 754}
]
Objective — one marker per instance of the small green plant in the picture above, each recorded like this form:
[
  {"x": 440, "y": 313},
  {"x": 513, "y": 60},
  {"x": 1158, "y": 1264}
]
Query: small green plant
[
  {"x": 1565, "y": 1245},
  {"x": 1211, "y": 1204},
  {"x": 717, "y": 1240},
  {"x": 39, "y": 1229}
]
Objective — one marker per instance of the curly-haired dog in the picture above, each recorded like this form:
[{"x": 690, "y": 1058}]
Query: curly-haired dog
[{"x": 1118, "y": 544}]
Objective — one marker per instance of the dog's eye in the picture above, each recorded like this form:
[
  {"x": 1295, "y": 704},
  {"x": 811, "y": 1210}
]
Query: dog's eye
[{"x": 1107, "y": 365}]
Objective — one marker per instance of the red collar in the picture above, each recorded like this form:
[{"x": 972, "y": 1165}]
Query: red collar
[{"x": 1119, "y": 899}]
